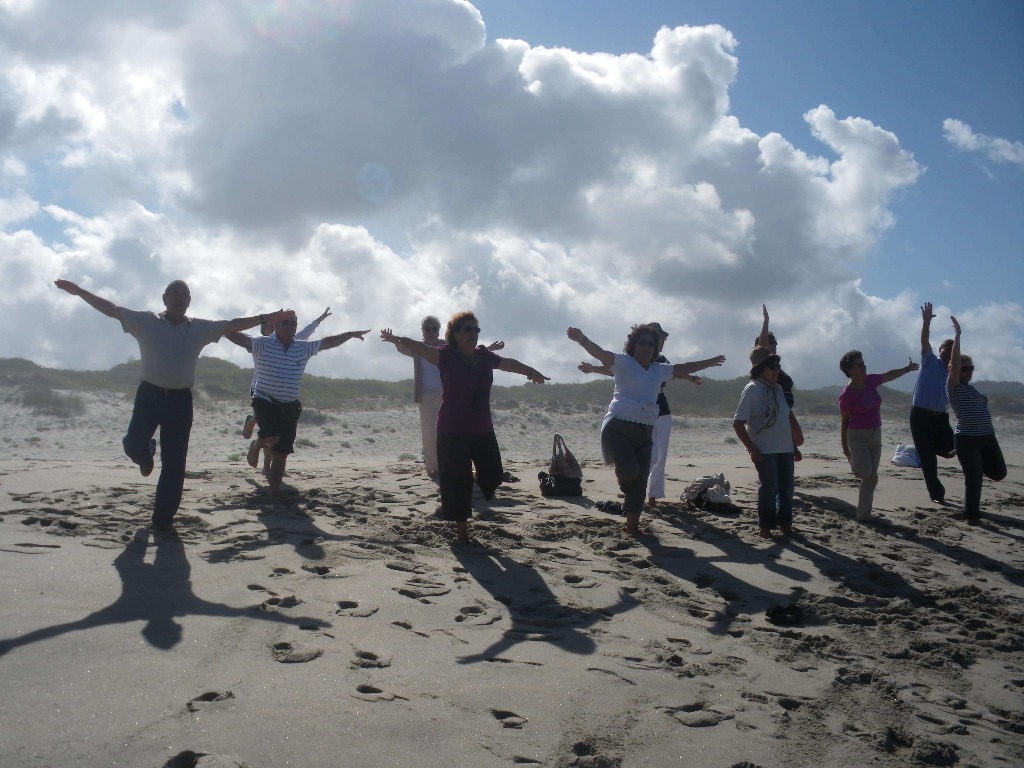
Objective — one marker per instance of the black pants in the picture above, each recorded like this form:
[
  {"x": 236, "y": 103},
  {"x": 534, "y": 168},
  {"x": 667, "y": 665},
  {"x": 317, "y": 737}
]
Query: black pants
[
  {"x": 980, "y": 457},
  {"x": 457, "y": 455},
  {"x": 171, "y": 411},
  {"x": 932, "y": 437}
]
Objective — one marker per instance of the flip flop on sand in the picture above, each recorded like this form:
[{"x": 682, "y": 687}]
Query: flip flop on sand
[
  {"x": 247, "y": 427},
  {"x": 253, "y": 457}
]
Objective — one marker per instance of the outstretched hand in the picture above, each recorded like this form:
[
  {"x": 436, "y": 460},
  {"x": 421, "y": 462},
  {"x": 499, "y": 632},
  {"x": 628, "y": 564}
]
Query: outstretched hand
[
  {"x": 325, "y": 315},
  {"x": 587, "y": 367},
  {"x": 67, "y": 285},
  {"x": 911, "y": 364},
  {"x": 719, "y": 360},
  {"x": 358, "y": 334},
  {"x": 764, "y": 312},
  {"x": 575, "y": 334},
  {"x": 495, "y": 346},
  {"x": 956, "y": 325},
  {"x": 387, "y": 335},
  {"x": 926, "y": 312},
  {"x": 537, "y": 377}
]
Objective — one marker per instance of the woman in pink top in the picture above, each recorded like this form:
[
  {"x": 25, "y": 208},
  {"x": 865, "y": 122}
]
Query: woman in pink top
[
  {"x": 861, "y": 407},
  {"x": 465, "y": 433}
]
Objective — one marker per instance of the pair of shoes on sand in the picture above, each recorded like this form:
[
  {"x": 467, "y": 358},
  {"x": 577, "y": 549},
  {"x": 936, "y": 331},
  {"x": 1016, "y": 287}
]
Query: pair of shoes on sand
[
  {"x": 146, "y": 467},
  {"x": 611, "y": 507}
]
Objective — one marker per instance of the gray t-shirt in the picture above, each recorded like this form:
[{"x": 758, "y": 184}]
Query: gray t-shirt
[
  {"x": 766, "y": 412},
  {"x": 170, "y": 352}
]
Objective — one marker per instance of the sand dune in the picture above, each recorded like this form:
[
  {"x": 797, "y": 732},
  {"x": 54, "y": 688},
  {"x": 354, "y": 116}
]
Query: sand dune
[{"x": 338, "y": 626}]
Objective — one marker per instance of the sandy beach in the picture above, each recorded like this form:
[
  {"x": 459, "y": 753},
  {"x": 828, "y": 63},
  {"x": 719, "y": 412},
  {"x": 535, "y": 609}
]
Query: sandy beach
[{"x": 338, "y": 626}]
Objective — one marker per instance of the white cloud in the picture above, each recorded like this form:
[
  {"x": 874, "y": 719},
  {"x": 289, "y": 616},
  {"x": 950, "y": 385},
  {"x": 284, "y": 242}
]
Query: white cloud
[
  {"x": 961, "y": 136},
  {"x": 385, "y": 159}
]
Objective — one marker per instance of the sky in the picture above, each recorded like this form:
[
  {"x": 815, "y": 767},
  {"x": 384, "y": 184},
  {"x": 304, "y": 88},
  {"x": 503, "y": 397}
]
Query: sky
[{"x": 544, "y": 163}]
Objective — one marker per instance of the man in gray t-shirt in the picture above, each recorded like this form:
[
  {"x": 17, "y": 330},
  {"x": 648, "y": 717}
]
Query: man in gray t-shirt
[{"x": 169, "y": 344}]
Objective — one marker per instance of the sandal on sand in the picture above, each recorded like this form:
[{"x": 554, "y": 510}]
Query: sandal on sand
[
  {"x": 247, "y": 427},
  {"x": 253, "y": 457},
  {"x": 611, "y": 507}
]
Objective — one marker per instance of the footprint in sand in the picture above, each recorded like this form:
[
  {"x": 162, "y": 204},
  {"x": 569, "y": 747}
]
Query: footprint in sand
[
  {"x": 203, "y": 700},
  {"x": 275, "y": 603},
  {"x": 373, "y": 693},
  {"x": 286, "y": 653},
  {"x": 476, "y": 615},
  {"x": 281, "y": 572},
  {"x": 508, "y": 719},
  {"x": 422, "y": 588},
  {"x": 696, "y": 715},
  {"x": 580, "y": 582},
  {"x": 406, "y": 625},
  {"x": 190, "y": 759},
  {"x": 317, "y": 570},
  {"x": 352, "y": 608},
  {"x": 369, "y": 660}
]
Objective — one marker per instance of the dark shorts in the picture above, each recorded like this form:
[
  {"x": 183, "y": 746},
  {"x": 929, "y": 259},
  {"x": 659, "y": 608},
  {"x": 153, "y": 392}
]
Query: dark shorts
[{"x": 277, "y": 419}]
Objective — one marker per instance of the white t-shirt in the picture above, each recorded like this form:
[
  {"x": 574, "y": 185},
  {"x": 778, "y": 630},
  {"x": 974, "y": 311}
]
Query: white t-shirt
[
  {"x": 431, "y": 375},
  {"x": 279, "y": 370},
  {"x": 636, "y": 390},
  {"x": 766, "y": 412}
]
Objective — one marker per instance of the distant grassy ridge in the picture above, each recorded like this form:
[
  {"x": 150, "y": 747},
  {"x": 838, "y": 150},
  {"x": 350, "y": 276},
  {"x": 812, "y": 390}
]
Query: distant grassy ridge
[{"x": 219, "y": 380}]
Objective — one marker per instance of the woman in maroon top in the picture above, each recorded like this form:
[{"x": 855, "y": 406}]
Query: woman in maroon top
[{"x": 465, "y": 433}]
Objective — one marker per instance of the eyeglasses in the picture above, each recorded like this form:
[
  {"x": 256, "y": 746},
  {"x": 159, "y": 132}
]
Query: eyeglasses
[
  {"x": 470, "y": 329},
  {"x": 966, "y": 368},
  {"x": 287, "y": 322}
]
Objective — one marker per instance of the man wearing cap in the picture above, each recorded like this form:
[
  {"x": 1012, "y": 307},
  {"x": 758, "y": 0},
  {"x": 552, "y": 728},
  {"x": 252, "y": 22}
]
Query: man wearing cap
[
  {"x": 280, "y": 360},
  {"x": 929, "y": 422},
  {"x": 169, "y": 345},
  {"x": 768, "y": 429}
]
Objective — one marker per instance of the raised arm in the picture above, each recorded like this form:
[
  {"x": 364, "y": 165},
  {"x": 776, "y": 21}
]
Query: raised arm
[
  {"x": 494, "y": 346},
  {"x": 308, "y": 331},
  {"x": 954, "y": 356},
  {"x": 408, "y": 346},
  {"x": 245, "y": 323},
  {"x": 679, "y": 370},
  {"x": 329, "y": 342},
  {"x": 762, "y": 340},
  {"x": 239, "y": 338},
  {"x": 98, "y": 303},
  {"x": 926, "y": 322},
  {"x": 514, "y": 366},
  {"x": 606, "y": 358},
  {"x": 895, "y": 373}
]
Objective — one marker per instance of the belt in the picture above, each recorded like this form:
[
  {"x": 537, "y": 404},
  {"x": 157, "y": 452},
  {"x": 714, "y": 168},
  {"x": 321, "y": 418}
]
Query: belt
[
  {"x": 164, "y": 390},
  {"x": 928, "y": 410}
]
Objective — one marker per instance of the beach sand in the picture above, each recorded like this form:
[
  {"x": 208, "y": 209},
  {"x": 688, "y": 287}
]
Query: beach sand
[{"x": 338, "y": 626}]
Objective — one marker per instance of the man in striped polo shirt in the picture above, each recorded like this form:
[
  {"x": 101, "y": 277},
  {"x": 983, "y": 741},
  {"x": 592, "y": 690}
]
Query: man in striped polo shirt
[{"x": 280, "y": 360}]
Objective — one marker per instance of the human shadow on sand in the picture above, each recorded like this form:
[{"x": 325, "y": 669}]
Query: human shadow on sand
[
  {"x": 535, "y": 611},
  {"x": 156, "y": 594}
]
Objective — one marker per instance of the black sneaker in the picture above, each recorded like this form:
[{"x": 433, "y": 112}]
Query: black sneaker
[{"x": 146, "y": 467}]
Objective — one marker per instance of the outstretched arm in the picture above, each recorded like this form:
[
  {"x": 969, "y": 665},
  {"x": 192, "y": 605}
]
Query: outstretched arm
[
  {"x": 762, "y": 340},
  {"x": 926, "y": 322},
  {"x": 606, "y": 358},
  {"x": 245, "y": 323},
  {"x": 409, "y": 346},
  {"x": 98, "y": 303},
  {"x": 895, "y": 373},
  {"x": 494, "y": 346},
  {"x": 514, "y": 366},
  {"x": 954, "y": 356},
  {"x": 591, "y": 368},
  {"x": 329, "y": 342},
  {"x": 239, "y": 338},
  {"x": 308, "y": 331},
  {"x": 679, "y": 370}
]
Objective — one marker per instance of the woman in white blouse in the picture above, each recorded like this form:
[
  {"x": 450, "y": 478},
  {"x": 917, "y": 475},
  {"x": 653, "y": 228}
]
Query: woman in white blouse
[{"x": 626, "y": 433}]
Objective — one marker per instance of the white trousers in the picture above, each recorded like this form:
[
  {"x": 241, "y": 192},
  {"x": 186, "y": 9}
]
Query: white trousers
[
  {"x": 659, "y": 455},
  {"x": 430, "y": 404}
]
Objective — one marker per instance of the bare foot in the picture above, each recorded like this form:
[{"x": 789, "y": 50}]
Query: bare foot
[
  {"x": 632, "y": 527},
  {"x": 652, "y": 502},
  {"x": 253, "y": 457},
  {"x": 764, "y": 533}
]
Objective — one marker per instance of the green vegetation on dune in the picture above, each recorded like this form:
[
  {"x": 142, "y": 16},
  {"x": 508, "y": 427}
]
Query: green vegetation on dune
[{"x": 218, "y": 380}]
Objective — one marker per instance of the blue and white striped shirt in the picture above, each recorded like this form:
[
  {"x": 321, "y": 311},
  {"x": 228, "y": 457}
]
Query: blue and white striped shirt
[{"x": 279, "y": 370}]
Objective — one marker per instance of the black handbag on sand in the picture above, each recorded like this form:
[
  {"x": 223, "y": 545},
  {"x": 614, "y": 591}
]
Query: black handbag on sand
[{"x": 564, "y": 476}]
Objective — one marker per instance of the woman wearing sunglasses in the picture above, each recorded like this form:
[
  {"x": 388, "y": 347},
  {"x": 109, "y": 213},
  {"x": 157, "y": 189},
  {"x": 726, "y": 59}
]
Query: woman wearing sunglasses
[
  {"x": 628, "y": 427},
  {"x": 974, "y": 436},
  {"x": 860, "y": 406},
  {"x": 465, "y": 432},
  {"x": 768, "y": 429}
]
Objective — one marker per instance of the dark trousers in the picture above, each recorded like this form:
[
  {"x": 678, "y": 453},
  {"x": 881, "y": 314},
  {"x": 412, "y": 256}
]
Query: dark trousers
[
  {"x": 980, "y": 457},
  {"x": 627, "y": 445},
  {"x": 932, "y": 436},
  {"x": 775, "y": 496},
  {"x": 457, "y": 455},
  {"x": 171, "y": 411}
]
